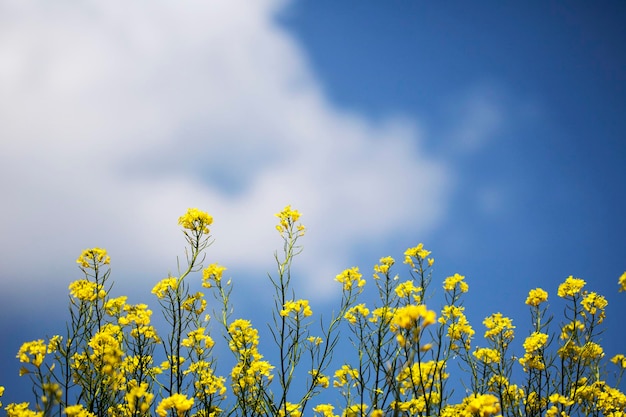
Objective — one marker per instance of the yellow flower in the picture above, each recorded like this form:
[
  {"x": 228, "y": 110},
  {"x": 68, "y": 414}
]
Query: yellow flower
[
  {"x": 212, "y": 272},
  {"x": 383, "y": 267},
  {"x": 21, "y": 410},
  {"x": 32, "y": 352},
  {"x": 287, "y": 219},
  {"x": 164, "y": 286},
  {"x": 1, "y": 394},
  {"x": 314, "y": 340},
  {"x": 450, "y": 283},
  {"x": 178, "y": 402},
  {"x": 407, "y": 317},
  {"x": 85, "y": 290},
  {"x": 196, "y": 221},
  {"x": 536, "y": 297},
  {"x": 483, "y": 405},
  {"x": 319, "y": 379},
  {"x": 406, "y": 289},
  {"x": 292, "y": 410},
  {"x": 417, "y": 252},
  {"x": 349, "y": 277},
  {"x": 358, "y": 310},
  {"x": 535, "y": 341},
  {"x": 570, "y": 287},
  {"x": 497, "y": 324},
  {"x": 593, "y": 302},
  {"x": 622, "y": 282},
  {"x": 297, "y": 307},
  {"x": 90, "y": 258},
  {"x": 326, "y": 410},
  {"x": 487, "y": 355},
  {"x": 344, "y": 375},
  {"x": 619, "y": 360}
]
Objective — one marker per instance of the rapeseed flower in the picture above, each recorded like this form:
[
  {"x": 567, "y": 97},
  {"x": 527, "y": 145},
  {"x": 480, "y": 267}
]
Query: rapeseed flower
[
  {"x": 455, "y": 281},
  {"x": 196, "y": 220},
  {"x": 349, "y": 277},
  {"x": 296, "y": 307},
  {"x": 213, "y": 273},
  {"x": 165, "y": 286},
  {"x": 326, "y": 410},
  {"x": 21, "y": 410},
  {"x": 536, "y": 297},
  {"x": 570, "y": 287},
  {"x": 353, "y": 313},
  {"x": 85, "y": 290},
  {"x": 418, "y": 252},
  {"x": 287, "y": 220},
  {"x": 290, "y": 410},
  {"x": 90, "y": 258},
  {"x": 33, "y": 352},
  {"x": 622, "y": 282},
  {"x": 177, "y": 402}
]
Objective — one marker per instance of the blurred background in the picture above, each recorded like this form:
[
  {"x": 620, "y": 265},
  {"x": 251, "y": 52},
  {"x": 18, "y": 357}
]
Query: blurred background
[{"x": 494, "y": 132}]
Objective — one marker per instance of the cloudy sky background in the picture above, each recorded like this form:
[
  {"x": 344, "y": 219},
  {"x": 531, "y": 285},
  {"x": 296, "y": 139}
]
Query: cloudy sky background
[{"x": 493, "y": 133}]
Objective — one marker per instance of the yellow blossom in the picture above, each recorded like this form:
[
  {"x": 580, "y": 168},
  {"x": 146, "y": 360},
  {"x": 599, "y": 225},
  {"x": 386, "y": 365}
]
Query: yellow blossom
[
  {"x": 451, "y": 283},
  {"x": 418, "y": 252},
  {"x": 287, "y": 220},
  {"x": 86, "y": 290},
  {"x": 619, "y": 360},
  {"x": 296, "y": 307},
  {"x": 622, "y": 282},
  {"x": 164, "y": 286},
  {"x": 536, "y": 297},
  {"x": 196, "y": 220},
  {"x": 349, "y": 277},
  {"x": 290, "y": 410},
  {"x": 213, "y": 273},
  {"x": 358, "y": 310},
  {"x": 487, "y": 355},
  {"x": 570, "y": 287},
  {"x": 177, "y": 402},
  {"x": 326, "y": 410},
  {"x": 32, "y": 352},
  {"x": 91, "y": 257},
  {"x": 21, "y": 410}
]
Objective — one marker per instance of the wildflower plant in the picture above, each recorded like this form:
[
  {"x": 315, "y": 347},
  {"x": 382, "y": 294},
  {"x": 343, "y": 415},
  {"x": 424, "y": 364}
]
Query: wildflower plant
[{"x": 408, "y": 353}]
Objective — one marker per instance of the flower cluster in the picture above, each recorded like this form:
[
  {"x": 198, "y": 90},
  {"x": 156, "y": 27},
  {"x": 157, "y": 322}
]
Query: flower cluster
[{"x": 405, "y": 353}]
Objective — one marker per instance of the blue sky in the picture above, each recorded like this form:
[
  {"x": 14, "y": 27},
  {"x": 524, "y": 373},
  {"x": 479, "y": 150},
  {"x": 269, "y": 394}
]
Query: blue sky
[{"x": 492, "y": 132}]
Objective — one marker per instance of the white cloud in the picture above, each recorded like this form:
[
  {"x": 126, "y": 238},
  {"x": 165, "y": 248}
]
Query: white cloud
[{"x": 116, "y": 118}]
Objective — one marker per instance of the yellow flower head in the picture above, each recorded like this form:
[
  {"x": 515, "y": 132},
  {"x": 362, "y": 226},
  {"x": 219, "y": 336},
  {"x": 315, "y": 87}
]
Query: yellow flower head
[
  {"x": 418, "y": 252},
  {"x": 287, "y": 220},
  {"x": 85, "y": 290},
  {"x": 383, "y": 268},
  {"x": 536, "y": 297},
  {"x": 297, "y": 307},
  {"x": 196, "y": 221},
  {"x": 595, "y": 304},
  {"x": 178, "y": 402},
  {"x": 21, "y": 410},
  {"x": 290, "y": 410},
  {"x": 213, "y": 273},
  {"x": 535, "y": 341},
  {"x": 349, "y": 277},
  {"x": 91, "y": 258},
  {"x": 406, "y": 289},
  {"x": 487, "y": 355},
  {"x": 33, "y": 352},
  {"x": 497, "y": 324},
  {"x": 353, "y": 313},
  {"x": 622, "y": 282},
  {"x": 570, "y": 287},
  {"x": 163, "y": 287},
  {"x": 455, "y": 281}
]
